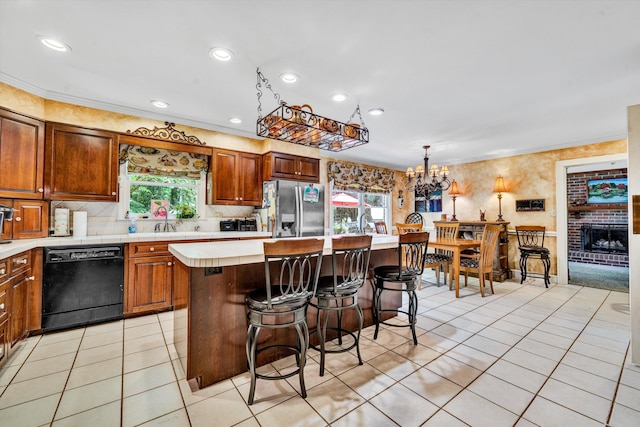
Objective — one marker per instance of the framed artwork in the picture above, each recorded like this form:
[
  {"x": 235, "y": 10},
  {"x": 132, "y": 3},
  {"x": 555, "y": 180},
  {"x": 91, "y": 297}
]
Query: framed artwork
[{"x": 431, "y": 204}]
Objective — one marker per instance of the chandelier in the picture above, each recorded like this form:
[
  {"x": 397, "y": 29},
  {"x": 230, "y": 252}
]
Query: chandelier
[
  {"x": 427, "y": 180},
  {"x": 299, "y": 125}
]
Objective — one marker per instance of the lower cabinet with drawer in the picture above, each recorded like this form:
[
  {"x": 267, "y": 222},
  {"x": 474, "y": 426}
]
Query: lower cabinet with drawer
[
  {"x": 15, "y": 279},
  {"x": 148, "y": 278}
]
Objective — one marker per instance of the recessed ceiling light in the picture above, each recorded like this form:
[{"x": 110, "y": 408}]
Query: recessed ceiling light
[
  {"x": 376, "y": 111},
  {"x": 339, "y": 97},
  {"x": 235, "y": 120},
  {"x": 221, "y": 54},
  {"x": 54, "y": 44},
  {"x": 289, "y": 77},
  {"x": 159, "y": 104}
]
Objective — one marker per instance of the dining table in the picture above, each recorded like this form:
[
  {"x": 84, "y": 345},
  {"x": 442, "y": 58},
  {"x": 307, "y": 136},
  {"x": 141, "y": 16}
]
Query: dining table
[{"x": 456, "y": 246}]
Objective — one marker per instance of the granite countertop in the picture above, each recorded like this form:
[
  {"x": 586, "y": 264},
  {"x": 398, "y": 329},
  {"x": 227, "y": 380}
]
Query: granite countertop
[
  {"x": 220, "y": 254},
  {"x": 17, "y": 246}
]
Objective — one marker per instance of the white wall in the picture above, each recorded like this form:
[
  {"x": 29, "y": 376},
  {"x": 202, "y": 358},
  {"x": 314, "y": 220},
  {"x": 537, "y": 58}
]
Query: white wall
[{"x": 633, "y": 151}]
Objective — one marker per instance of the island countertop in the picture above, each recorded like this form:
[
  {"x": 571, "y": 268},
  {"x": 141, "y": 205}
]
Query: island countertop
[{"x": 227, "y": 253}]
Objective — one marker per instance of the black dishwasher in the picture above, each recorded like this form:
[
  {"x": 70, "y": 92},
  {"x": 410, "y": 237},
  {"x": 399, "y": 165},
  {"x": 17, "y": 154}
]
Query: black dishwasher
[{"x": 82, "y": 285}]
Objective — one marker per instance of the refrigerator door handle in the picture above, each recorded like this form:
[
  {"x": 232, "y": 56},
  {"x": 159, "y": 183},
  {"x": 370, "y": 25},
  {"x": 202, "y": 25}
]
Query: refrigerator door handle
[
  {"x": 298, "y": 212},
  {"x": 301, "y": 216}
]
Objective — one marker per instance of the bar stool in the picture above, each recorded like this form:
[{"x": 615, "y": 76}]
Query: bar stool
[
  {"x": 531, "y": 245},
  {"x": 339, "y": 292},
  {"x": 414, "y": 218},
  {"x": 412, "y": 248},
  {"x": 292, "y": 269}
]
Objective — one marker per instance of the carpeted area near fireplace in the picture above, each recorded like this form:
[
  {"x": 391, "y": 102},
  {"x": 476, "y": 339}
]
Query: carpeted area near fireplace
[{"x": 599, "y": 276}]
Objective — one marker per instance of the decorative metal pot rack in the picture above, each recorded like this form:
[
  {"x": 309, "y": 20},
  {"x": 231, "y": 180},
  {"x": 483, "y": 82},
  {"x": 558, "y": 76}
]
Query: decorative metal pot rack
[{"x": 299, "y": 125}]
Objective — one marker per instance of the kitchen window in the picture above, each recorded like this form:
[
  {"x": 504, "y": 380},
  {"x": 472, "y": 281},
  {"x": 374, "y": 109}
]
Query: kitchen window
[
  {"x": 347, "y": 207},
  {"x": 140, "y": 195}
]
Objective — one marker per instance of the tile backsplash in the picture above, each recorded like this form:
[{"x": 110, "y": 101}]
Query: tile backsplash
[{"x": 102, "y": 218}]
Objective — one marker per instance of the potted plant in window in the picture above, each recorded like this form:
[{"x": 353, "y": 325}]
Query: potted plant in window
[{"x": 184, "y": 211}]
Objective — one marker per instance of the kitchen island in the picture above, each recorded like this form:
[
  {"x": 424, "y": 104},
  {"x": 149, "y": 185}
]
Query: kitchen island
[{"x": 211, "y": 281}]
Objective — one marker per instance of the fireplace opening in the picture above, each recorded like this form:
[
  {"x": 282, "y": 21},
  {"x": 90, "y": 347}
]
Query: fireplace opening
[{"x": 604, "y": 238}]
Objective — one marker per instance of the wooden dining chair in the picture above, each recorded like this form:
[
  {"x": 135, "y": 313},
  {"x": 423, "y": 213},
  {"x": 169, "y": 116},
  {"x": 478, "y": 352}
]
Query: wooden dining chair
[
  {"x": 442, "y": 259},
  {"x": 381, "y": 227},
  {"x": 482, "y": 263}
]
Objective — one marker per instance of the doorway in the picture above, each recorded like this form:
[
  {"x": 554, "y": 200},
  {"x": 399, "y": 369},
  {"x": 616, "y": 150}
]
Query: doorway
[{"x": 582, "y": 274}]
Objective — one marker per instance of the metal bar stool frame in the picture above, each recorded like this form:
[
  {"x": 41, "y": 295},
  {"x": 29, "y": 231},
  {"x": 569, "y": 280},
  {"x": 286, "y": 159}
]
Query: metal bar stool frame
[
  {"x": 531, "y": 245},
  {"x": 339, "y": 292},
  {"x": 283, "y": 302},
  {"x": 412, "y": 248}
]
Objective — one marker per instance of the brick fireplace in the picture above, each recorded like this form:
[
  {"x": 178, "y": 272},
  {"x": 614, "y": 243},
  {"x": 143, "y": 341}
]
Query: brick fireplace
[{"x": 597, "y": 234}]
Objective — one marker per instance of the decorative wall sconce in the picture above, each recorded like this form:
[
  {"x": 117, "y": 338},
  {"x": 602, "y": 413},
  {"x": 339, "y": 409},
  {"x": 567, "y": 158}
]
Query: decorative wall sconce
[
  {"x": 400, "y": 199},
  {"x": 454, "y": 193},
  {"x": 499, "y": 188}
]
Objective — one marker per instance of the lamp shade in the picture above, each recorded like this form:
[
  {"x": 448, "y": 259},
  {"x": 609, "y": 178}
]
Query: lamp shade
[
  {"x": 453, "y": 190},
  {"x": 499, "y": 186}
]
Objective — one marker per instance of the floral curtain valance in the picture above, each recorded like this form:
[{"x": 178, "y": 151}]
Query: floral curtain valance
[
  {"x": 159, "y": 161},
  {"x": 350, "y": 176}
]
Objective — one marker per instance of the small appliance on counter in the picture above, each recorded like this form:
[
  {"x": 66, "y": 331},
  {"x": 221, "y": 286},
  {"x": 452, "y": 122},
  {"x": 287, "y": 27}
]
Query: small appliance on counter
[
  {"x": 246, "y": 224},
  {"x": 6, "y": 214},
  {"x": 228, "y": 225}
]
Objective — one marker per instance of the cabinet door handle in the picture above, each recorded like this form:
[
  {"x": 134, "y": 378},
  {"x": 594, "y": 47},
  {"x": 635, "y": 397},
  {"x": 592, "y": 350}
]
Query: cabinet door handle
[
  {"x": 18, "y": 219},
  {"x": 40, "y": 190},
  {"x": 169, "y": 263},
  {"x": 2, "y": 306},
  {"x": 31, "y": 278},
  {"x": 113, "y": 193},
  {"x": 240, "y": 198},
  {"x": 3, "y": 271},
  {"x": 152, "y": 249}
]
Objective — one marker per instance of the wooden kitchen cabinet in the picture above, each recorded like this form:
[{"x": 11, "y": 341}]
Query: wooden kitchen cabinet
[
  {"x": 30, "y": 219},
  {"x": 15, "y": 279},
  {"x": 288, "y": 166},
  {"x": 22, "y": 153},
  {"x": 19, "y": 318},
  {"x": 148, "y": 278},
  {"x": 80, "y": 164},
  {"x": 235, "y": 178}
]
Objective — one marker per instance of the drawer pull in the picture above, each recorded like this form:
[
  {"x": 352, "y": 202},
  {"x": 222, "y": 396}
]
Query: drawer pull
[
  {"x": 3, "y": 271},
  {"x": 31, "y": 278},
  {"x": 152, "y": 249},
  {"x": 2, "y": 306},
  {"x": 20, "y": 261}
]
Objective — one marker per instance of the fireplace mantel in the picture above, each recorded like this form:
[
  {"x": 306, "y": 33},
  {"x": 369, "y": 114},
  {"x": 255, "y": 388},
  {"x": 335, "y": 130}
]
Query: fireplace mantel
[{"x": 577, "y": 209}]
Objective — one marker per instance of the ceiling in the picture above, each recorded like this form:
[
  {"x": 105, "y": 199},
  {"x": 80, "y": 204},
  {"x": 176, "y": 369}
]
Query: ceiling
[{"x": 473, "y": 79}]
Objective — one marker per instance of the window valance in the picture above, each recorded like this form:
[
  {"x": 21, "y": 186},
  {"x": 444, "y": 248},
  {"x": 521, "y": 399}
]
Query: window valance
[
  {"x": 351, "y": 176},
  {"x": 160, "y": 161}
]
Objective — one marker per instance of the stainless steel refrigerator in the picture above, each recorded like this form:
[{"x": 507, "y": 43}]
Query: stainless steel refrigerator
[{"x": 294, "y": 209}]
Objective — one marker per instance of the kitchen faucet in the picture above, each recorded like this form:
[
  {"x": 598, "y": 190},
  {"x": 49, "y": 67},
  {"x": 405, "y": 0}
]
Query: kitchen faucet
[
  {"x": 167, "y": 226},
  {"x": 363, "y": 216}
]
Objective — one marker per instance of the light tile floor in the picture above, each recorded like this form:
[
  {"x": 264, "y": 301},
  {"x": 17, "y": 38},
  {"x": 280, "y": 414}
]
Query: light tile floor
[{"x": 524, "y": 356}]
